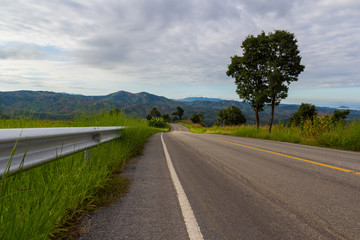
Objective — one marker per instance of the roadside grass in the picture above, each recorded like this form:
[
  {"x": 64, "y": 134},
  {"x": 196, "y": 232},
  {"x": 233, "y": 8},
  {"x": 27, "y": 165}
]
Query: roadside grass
[
  {"x": 196, "y": 128},
  {"x": 45, "y": 202},
  {"x": 317, "y": 133}
]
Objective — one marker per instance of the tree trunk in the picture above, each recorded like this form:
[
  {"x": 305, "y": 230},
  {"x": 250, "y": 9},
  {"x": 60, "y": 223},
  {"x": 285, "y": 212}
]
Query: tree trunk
[
  {"x": 272, "y": 114},
  {"x": 257, "y": 117}
]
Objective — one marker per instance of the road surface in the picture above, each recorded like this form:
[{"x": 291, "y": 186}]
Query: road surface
[{"x": 234, "y": 188}]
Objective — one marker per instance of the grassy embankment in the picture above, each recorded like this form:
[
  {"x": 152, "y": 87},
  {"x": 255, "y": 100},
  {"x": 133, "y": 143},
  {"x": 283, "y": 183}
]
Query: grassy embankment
[
  {"x": 43, "y": 202},
  {"x": 317, "y": 133}
]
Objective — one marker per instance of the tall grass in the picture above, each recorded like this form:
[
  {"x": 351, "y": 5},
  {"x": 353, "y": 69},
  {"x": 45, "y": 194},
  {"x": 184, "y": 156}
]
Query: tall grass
[
  {"x": 33, "y": 204},
  {"x": 319, "y": 132}
]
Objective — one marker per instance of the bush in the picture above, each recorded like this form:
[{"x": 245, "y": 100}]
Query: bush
[
  {"x": 305, "y": 112},
  {"x": 157, "y": 122},
  {"x": 197, "y": 118},
  {"x": 166, "y": 118},
  {"x": 231, "y": 116}
]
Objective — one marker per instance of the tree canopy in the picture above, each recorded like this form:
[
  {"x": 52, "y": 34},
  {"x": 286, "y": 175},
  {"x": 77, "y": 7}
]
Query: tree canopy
[
  {"x": 155, "y": 112},
  {"x": 166, "y": 117},
  {"x": 197, "y": 118},
  {"x": 247, "y": 71},
  {"x": 339, "y": 115},
  {"x": 306, "y": 111},
  {"x": 268, "y": 65},
  {"x": 231, "y": 116},
  {"x": 179, "y": 112}
]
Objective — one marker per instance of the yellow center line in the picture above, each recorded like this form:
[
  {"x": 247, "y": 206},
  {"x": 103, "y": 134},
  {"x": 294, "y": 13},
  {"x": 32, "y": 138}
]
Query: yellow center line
[{"x": 288, "y": 156}]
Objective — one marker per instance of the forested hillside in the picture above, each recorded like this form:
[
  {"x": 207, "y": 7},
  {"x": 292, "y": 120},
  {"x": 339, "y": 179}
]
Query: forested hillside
[{"x": 51, "y": 105}]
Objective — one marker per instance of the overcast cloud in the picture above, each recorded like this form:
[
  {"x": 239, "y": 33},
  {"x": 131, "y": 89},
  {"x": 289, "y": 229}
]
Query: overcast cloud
[{"x": 170, "y": 48}]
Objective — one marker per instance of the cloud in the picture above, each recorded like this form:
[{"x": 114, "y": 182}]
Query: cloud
[
  {"x": 153, "y": 43},
  {"x": 279, "y": 8},
  {"x": 21, "y": 51}
]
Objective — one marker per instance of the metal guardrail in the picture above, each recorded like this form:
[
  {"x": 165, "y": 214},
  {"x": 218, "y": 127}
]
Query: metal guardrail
[{"x": 31, "y": 147}]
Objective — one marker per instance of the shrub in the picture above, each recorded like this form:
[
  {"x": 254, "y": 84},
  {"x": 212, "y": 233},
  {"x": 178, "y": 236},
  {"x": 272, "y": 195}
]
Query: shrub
[
  {"x": 305, "y": 112},
  {"x": 197, "y": 118},
  {"x": 157, "y": 122},
  {"x": 231, "y": 116}
]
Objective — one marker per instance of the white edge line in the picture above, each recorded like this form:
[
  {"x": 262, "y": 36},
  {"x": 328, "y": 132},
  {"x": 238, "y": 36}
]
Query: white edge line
[{"x": 192, "y": 226}]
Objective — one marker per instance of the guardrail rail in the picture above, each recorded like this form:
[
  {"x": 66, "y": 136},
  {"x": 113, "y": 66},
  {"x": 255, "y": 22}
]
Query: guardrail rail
[{"x": 30, "y": 147}]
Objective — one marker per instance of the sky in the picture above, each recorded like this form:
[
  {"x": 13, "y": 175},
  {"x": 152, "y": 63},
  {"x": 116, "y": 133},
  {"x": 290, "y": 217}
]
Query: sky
[{"x": 173, "y": 48}]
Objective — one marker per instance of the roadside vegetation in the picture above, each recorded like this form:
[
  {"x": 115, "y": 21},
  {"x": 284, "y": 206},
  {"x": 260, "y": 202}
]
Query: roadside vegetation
[
  {"x": 320, "y": 132},
  {"x": 230, "y": 116},
  {"x": 268, "y": 65},
  {"x": 158, "y": 120},
  {"x": 46, "y": 201},
  {"x": 305, "y": 127}
]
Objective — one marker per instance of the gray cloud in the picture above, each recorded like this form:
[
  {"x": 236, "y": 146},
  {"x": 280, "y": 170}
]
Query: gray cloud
[
  {"x": 184, "y": 41},
  {"x": 157, "y": 33},
  {"x": 281, "y": 8},
  {"x": 21, "y": 51},
  {"x": 193, "y": 40}
]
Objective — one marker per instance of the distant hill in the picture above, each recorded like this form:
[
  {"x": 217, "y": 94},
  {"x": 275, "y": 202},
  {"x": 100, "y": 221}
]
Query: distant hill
[
  {"x": 191, "y": 99},
  {"x": 51, "y": 105}
]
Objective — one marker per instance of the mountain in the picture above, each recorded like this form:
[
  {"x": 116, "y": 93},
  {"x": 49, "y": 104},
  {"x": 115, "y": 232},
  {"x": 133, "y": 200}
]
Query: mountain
[
  {"x": 191, "y": 99},
  {"x": 63, "y": 106}
]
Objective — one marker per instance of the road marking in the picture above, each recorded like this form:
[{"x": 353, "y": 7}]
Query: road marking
[
  {"x": 284, "y": 155},
  {"x": 192, "y": 226}
]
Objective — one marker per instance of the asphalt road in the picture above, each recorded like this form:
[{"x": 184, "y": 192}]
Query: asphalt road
[{"x": 236, "y": 188}]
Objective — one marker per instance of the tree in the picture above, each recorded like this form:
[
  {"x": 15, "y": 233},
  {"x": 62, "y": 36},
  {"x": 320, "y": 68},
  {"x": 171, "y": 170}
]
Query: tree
[
  {"x": 166, "y": 117},
  {"x": 306, "y": 111},
  {"x": 268, "y": 65},
  {"x": 248, "y": 72},
  {"x": 339, "y": 116},
  {"x": 175, "y": 118},
  {"x": 197, "y": 118},
  {"x": 155, "y": 113},
  {"x": 179, "y": 112},
  {"x": 231, "y": 116},
  {"x": 282, "y": 67}
]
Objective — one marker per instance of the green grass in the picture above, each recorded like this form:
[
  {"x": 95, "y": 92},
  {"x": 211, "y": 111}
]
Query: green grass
[
  {"x": 42, "y": 202},
  {"x": 340, "y": 136}
]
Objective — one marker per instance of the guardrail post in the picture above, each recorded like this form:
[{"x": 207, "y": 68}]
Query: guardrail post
[{"x": 87, "y": 154}]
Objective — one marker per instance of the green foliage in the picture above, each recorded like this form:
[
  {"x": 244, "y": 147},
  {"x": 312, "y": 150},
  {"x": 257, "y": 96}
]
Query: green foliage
[
  {"x": 248, "y": 77},
  {"x": 317, "y": 125},
  {"x": 155, "y": 113},
  {"x": 268, "y": 65},
  {"x": 321, "y": 131},
  {"x": 166, "y": 118},
  {"x": 35, "y": 203},
  {"x": 339, "y": 116},
  {"x": 231, "y": 116},
  {"x": 305, "y": 112},
  {"x": 179, "y": 112},
  {"x": 197, "y": 118},
  {"x": 282, "y": 68},
  {"x": 157, "y": 122},
  {"x": 116, "y": 111},
  {"x": 194, "y": 127}
]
